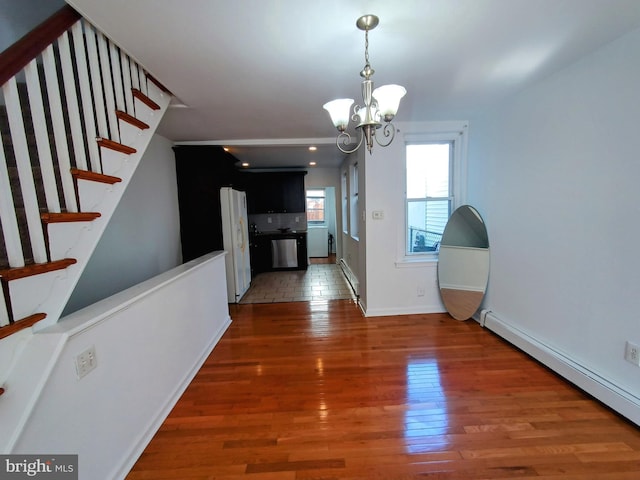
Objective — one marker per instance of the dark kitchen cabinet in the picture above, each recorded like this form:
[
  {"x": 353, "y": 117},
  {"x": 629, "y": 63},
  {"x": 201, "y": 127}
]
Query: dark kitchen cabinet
[
  {"x": 303, "y": 259},
  {"x": 201, "y": 171},
  {"x": 260, "y": 252},
  {"x": 278, "y": 192}
]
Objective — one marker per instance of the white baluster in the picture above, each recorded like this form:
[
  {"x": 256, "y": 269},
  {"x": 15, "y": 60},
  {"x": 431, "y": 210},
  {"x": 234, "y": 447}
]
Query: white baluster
[
  {"x": 42, "y": 137},
  {"x": 126, "y": 77},
  {"x": 23, "y": 162},
  {"x": 108, "y": 87},
  {"x": 135, "y": 76},
  {"x": 96, "y": 84},
  {"x": 117, "y": 77},
  {"x": 82, "y": 73},
  {"x": 8, "y": 218},
  {"x": 73, "y": 111},
  {"x": 59, "y": 130}
]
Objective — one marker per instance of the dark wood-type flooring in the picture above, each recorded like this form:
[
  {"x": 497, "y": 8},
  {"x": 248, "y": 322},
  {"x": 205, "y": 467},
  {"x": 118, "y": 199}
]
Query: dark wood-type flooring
[{"x": 316, "y": 391}]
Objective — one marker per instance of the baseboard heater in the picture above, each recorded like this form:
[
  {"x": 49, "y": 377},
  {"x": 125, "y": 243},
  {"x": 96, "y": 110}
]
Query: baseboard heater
[
  {"x": 350, "y": 276},
  {"x": 620, "y": 400}
]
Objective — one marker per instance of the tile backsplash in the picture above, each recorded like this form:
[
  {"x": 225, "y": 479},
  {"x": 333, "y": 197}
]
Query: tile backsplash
[{"x": 266, "y": 222}]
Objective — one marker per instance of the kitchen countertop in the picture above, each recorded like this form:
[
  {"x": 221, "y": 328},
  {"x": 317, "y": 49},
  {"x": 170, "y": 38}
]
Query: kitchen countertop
[{"x": 279, "y": 232}]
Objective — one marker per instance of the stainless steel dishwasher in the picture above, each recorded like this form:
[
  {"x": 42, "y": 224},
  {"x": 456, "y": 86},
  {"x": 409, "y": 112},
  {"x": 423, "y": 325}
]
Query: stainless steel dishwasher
[{"x": 284, "y": 253}]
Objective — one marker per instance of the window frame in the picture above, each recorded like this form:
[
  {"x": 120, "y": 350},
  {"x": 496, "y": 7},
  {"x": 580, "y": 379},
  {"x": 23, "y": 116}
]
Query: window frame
[
  {"x": 324, "y": 205},
  {"x": 456, "y": 133}
]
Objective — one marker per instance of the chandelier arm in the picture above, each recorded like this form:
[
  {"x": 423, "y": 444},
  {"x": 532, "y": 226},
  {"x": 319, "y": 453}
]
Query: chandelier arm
[
  {"x": 346, "y": 140},
  {"x": 355, "y": 116},
  {"x": 389, "y": 131}
]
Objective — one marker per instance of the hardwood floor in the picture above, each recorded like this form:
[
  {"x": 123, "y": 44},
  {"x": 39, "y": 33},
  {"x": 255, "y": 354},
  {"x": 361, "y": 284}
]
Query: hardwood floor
[{"x": 316, "y": 391}]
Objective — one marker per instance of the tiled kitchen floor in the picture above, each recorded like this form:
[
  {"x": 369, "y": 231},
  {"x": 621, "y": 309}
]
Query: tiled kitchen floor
[{"x": 318, "y": 282}]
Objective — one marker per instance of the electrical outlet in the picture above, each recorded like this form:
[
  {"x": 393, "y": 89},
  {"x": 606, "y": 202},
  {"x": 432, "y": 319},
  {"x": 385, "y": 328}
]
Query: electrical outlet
[
  {"x": 421, "y": 291},
  {"x": 86, "y": 361},
  {"x": 632, "y": 353}
]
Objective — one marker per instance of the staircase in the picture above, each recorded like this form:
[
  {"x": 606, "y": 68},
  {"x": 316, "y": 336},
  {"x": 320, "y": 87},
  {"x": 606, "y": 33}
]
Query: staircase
[{"x": 76, "y": 115}]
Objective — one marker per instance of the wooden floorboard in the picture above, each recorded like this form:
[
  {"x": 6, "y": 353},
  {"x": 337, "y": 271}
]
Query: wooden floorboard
[{"x": 302, "y": 391}]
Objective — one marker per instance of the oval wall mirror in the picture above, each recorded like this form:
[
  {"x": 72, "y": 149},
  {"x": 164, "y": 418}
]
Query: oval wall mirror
[{"x": 463, "y": 264}]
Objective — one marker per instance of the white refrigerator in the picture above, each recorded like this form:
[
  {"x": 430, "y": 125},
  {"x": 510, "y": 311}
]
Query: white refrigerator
[{"x": 235, "y": 235}]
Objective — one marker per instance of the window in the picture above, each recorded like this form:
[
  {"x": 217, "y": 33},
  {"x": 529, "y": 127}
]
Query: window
[
  {"x": 354, "y": 201},
  {"x": 429, "y": 194},
  {"x": 345, "y": 203},
  {"x": 315, "y": 206}
]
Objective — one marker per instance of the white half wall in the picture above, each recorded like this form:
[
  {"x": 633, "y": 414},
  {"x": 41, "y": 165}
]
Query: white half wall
[{"x": 150, "y": 340}]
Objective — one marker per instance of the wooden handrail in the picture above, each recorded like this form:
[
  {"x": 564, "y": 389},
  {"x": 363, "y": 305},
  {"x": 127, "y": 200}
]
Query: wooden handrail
[{"x": 18, "y": 55}]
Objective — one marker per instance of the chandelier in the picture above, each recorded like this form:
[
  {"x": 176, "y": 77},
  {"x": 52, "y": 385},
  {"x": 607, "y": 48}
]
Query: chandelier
[{"x": 380, "y": 104}]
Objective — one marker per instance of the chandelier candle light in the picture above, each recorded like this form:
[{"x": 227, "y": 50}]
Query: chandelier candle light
[{"x": 379, "y": 104}]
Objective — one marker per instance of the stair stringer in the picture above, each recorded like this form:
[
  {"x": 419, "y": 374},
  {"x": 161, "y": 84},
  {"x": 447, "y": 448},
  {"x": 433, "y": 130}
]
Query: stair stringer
[{"x": 53, "y": 299}]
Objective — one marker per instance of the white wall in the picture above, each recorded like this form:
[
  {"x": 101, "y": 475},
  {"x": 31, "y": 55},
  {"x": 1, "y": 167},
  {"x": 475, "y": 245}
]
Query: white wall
[
  {"x": 143, "y": 236},
  {"x": 396, "y": 286},
  {"x": 352, "y": 249},
  {"x": 19, "y": 17},
  {"x": 554, "y": 171}
]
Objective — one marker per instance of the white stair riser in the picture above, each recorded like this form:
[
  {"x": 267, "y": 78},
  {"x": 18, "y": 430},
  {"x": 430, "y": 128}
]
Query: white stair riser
[
  {"x": 66, "y": 239},
  {"x": 112, "y": 162},
  {"x": 92, "y": 194},
  {"x": 146, "y": 114},
  {"x": 129, "y": 134},
  {"x": 155, "y": 93},
  {"x": 29, "y": 295}
]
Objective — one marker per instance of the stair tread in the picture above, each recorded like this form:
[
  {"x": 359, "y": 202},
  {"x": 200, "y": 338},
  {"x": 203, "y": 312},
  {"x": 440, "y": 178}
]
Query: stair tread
[
  {"x": 35, "y": 269},
  {"x": 144, "y": 99},
  {"x": 21, "y": 325},
  {"x": 94, "y": 176},
  {"x": 118, "y": 147},
  {"x": 124, "y": 116},
  {"x": 63, "y": 217}
]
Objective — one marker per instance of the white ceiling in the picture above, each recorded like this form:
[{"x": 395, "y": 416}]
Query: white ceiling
[{"x": 257, "y": 72}]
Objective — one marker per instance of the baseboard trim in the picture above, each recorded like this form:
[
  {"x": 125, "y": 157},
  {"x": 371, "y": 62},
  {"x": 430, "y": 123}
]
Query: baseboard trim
[
  {"x": 416, "y": 310},
  {"x": 618, "y": 399}
]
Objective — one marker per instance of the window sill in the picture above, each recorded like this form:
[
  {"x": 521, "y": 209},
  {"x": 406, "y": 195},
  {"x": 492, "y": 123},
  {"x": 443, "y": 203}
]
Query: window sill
[{"x": 420, "y": 262}]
